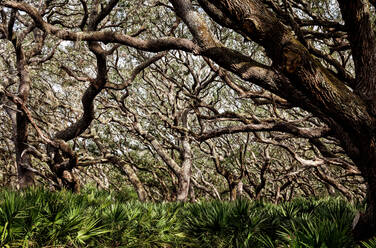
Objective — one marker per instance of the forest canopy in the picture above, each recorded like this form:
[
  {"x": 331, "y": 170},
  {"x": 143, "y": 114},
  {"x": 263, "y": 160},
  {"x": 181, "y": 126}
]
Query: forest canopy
[{"x": 185, "y": 100}]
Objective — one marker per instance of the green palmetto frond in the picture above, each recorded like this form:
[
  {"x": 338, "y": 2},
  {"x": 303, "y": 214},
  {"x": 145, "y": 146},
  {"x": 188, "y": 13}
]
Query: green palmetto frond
[
  {"x": 371, "y": 243},
  {"x": 38, "y": 218},
  {"x": 12, "y": 216}
]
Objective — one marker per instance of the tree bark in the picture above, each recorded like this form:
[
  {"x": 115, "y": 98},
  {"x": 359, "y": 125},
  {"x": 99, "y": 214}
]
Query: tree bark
[
  {"x": 184, "y": 177},
  {"x": 127, "y": 169},
  {"x": 25, "y": 176},
  {"x": 23, "y": 160},
  {"x": 233, "y": 190},
  {"x": 366, "y": 226},
  {"x": 183, "y": 187}
]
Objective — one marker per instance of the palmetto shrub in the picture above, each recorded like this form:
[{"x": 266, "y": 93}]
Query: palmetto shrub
[
  {"x": 12, "y": 217},
  {"x": 39, "y": 218},
  {"x": 135, "y": 224},
  {"x": 230, "y": 224},
  {"x": 370, "y": 243},
  {"x": 300, "y": 223},
  {"x": 317, "y": 223}
]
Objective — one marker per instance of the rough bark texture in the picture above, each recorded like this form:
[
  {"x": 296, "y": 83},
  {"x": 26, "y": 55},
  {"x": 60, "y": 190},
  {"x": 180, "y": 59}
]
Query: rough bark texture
[
  {"x": 184, "y": 177},
  {"x": 23, "y": 160},
  {"x": 298, "y": 77}
]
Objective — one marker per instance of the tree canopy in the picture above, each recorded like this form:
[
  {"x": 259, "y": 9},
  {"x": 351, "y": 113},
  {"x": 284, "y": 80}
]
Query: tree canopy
[{"x": 192, "y": 99}]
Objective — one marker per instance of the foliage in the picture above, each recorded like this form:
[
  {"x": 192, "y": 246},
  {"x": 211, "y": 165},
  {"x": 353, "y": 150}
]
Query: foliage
[
  {"x": 370, "y": 243},
  {"x": 39, "y": 218}
]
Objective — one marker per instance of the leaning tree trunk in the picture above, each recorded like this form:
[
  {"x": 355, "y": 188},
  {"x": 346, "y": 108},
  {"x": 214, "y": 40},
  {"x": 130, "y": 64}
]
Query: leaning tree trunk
[
  {"x": 65, "y": 159},
  {"x": 128, "y": 171}
]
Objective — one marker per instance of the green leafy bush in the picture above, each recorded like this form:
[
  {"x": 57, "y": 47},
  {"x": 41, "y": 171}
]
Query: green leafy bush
[{"x": 39, "y": 218}]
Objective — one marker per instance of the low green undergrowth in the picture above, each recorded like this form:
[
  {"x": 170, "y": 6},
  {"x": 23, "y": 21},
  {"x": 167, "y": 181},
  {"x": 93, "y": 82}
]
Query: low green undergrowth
[{"x": 38, "y": 218}]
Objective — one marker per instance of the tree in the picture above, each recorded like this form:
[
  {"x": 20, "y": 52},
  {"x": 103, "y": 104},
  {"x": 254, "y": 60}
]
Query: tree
[
  {"x": 346, "y": 104},
  {"x": 317, "y": 55}
]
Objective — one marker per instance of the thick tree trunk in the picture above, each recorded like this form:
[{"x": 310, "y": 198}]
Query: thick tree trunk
[
  {"x": 365, "y": 227},
  {"x": 184, "y": 174},
  {"x": 20, "y": 120},
  {"x": 183, "y": 189},
  {"x": 184, "y": 177},
  {"x": 23, "y": 160},
  {"x": 25, "y": 176}
]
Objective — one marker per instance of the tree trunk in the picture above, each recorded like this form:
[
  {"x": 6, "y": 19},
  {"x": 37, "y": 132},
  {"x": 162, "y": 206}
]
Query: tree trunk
[
  {"x": 19, "y": 124},
  {"x": 71, "y": 181},
  {"x": 239, "y": 190},
  {"x": 137, "y": 184},
  {"x": 127, "y": 170},
  {"x": 184, "y": 174},
  {"x": 192, "y": 194},
  {"x": 233, "y": 185},
  {"x": 183, "y": 187},
  {"x": 25, "y": 176},
  {"x": 233, "y": 190},
  {"x": 366, "y": 225}
]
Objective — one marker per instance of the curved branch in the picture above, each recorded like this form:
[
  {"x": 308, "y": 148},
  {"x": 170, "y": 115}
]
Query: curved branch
[
  {"x": 275, "y": 126},
  {"x": 154, "y": 45}
]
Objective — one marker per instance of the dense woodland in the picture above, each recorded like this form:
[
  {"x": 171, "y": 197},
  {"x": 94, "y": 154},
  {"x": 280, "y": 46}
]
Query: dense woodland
[{"x": 192, "y": 100}]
